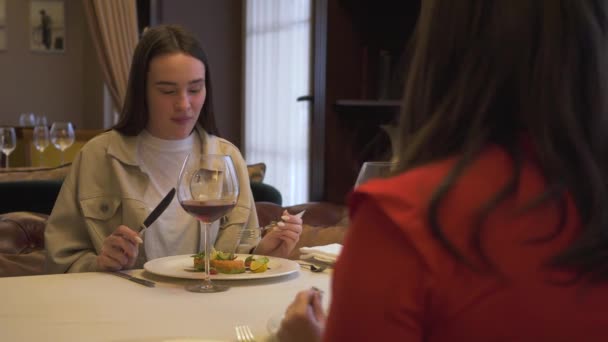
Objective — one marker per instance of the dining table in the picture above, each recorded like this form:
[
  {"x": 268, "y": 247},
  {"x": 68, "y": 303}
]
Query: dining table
[{"x": 100, "y": 306}]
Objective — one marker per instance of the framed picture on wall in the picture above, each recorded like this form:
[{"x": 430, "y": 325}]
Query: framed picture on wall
[
  {"x": 2, "y": 25},
  {"x": 47, "y": 25}
]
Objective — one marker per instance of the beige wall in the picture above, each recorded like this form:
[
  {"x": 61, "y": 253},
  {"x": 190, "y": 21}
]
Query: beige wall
[
  {"x": 64, "y": 86},
  {"x": 69, "y": 85},
  {"x": 218, "y": 25}
]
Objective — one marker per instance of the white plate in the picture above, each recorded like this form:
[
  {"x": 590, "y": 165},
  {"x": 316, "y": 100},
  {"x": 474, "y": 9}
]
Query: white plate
[{"x": 182, "y": 266}]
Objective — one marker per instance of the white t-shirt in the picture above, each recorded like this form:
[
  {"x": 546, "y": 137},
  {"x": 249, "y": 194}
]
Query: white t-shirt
[{"x": 175, "y": 232}]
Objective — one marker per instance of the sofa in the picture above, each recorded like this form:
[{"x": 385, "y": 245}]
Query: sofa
[
  {"x": 35, "y": 189},
  {"x": 22, "y": 233},
  {"x": 39, "y": 195}
]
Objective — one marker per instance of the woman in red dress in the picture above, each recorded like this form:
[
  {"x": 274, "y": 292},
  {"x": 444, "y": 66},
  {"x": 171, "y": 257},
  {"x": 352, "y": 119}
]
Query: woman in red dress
[{"x": 494, "y": 226}]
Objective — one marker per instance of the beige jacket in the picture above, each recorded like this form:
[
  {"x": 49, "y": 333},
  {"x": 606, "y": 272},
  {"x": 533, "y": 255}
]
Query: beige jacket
[{"x": 104, "y": 189}]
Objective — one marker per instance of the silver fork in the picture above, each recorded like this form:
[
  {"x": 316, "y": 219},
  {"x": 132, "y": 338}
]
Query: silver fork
[
  {"x": 250, "y": 233},
  {"x": 247, "y": 236},
  {"x": 244, "y": 334},
  {"x": 313, "y": 268}
]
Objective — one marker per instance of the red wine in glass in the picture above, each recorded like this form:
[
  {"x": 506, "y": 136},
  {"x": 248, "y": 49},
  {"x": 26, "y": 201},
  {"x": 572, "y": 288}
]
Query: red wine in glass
[
  {"x": 208, "y": 188},
  {"x": 208, "y": 211}
]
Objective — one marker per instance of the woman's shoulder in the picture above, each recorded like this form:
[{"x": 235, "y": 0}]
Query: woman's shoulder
[
  {"x": 224, "y": 145},
  {"x": 110, "y": 142},
  {"x": 99, "y": 142},
  {"x": 415, "y": 188},
  {"x": 413, "y": 185},
  {"x": 91, "y": 160},
  {"x": 228, "y": 146},
  {"x": 488, "y": 170}
]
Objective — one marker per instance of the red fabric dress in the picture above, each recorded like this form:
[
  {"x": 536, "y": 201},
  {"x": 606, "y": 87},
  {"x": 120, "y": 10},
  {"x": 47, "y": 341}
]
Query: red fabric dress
[{"x": 395, "y": 282}]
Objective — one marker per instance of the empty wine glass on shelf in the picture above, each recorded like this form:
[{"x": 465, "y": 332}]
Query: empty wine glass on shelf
[
  {"x": 41, "y": 120},
  {"x": 374, "y": 169},
  {"x": 62, "y": 136},
  {"x": 8, "y": 141},
  {"x": 27, "y": 119},
  {"x": 41, "y": 139},
  {"x": 208, "y": 188}
]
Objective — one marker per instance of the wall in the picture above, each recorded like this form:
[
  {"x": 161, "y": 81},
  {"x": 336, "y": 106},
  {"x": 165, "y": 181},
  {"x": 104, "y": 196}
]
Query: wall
[
  {"x": 92, "y": 113},
  {"x": 218, "y": 25},
  {"x": 64, "y": 86}
]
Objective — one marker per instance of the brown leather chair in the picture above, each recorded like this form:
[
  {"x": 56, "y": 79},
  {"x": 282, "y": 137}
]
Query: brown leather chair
[
  {"x": 323, "y": 222},
  {"x": 22, "y": 244},
  {"x": 22, "y": 233}
]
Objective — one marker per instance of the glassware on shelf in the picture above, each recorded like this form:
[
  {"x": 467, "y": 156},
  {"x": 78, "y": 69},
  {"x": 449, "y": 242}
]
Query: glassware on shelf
[
  {"x": 62, "y": 136},
  {"x": 8, "y": 141},
  {"x": 374, "y": 169},
  {"x": 41, "y": 120},
  {"x": 41, "y": 139},
  {"x": 27, "y": 119}
]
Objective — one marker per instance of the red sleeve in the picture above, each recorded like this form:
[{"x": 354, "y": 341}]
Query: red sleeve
[{"x": 379, "y": 285}]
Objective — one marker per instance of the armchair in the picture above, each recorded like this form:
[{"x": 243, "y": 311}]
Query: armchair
[{"x": 35, "y": 189}]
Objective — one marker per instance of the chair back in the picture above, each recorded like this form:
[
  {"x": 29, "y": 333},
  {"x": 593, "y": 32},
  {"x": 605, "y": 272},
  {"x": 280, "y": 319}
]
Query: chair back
[{"x": 29, "y": 195}]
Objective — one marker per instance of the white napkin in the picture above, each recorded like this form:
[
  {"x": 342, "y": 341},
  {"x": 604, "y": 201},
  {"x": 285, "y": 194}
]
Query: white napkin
[{"x": 327, "y": 253}]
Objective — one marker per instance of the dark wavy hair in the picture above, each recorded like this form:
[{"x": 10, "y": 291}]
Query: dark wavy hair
[
  {"x": 157, "y": 41},
  {"x": 486, "y": 71}
]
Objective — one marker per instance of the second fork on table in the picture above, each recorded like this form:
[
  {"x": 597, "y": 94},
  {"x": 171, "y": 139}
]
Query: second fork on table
[{"x": 244, "y": 334}]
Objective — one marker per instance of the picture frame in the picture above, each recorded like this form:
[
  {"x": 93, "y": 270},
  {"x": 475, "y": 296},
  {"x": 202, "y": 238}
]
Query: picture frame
[
  {"x": 3, "y": 35},
  {"x": 47, "y": 26}
]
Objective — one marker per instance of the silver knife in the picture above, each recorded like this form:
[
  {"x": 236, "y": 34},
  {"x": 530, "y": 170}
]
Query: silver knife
[
  {"x": 160, "y": 208},
  {"x": 143, "y": 282}
]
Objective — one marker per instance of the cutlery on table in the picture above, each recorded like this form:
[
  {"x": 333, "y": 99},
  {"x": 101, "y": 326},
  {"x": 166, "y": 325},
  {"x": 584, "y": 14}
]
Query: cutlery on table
[
  {"x": 274, "y": 223},
  {"x": 160, "y": 208},
  {"x": 313, "y": 268},
  {"x": 143, "y": 282},
  {"x": 244, "y": 334},
  {"x": 300, "y": 214}
]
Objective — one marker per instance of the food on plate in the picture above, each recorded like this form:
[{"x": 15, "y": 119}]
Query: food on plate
[
  {"x": 199, "y": 263},
  {"x": 199, "y": 260},
  {"x": 257, "y": 265},
  {"x": 229, "y": 264}
]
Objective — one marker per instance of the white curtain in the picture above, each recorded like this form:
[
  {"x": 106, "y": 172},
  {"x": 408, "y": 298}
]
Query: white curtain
[{"x": 277, "y": 72}]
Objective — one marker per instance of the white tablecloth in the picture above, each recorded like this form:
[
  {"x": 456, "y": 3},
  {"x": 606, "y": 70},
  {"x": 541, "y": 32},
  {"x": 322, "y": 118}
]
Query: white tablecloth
[{"x": 104, "y": 307}]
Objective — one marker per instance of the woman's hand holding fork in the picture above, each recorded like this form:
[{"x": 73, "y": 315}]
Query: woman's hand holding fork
[{"x": 280, "y": 240}]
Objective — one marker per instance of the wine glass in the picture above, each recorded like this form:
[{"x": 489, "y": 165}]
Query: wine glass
[
  {"x": 8, "y": 141},
  {"x": 41, "y": 120},
  {"x": 41, "y": 139},
  {"x": 62, "y": 136},
  {"x": 374, "y": 169},
  {"x": 27, "y": 119},
  {"x": 208, "y": 188}
]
